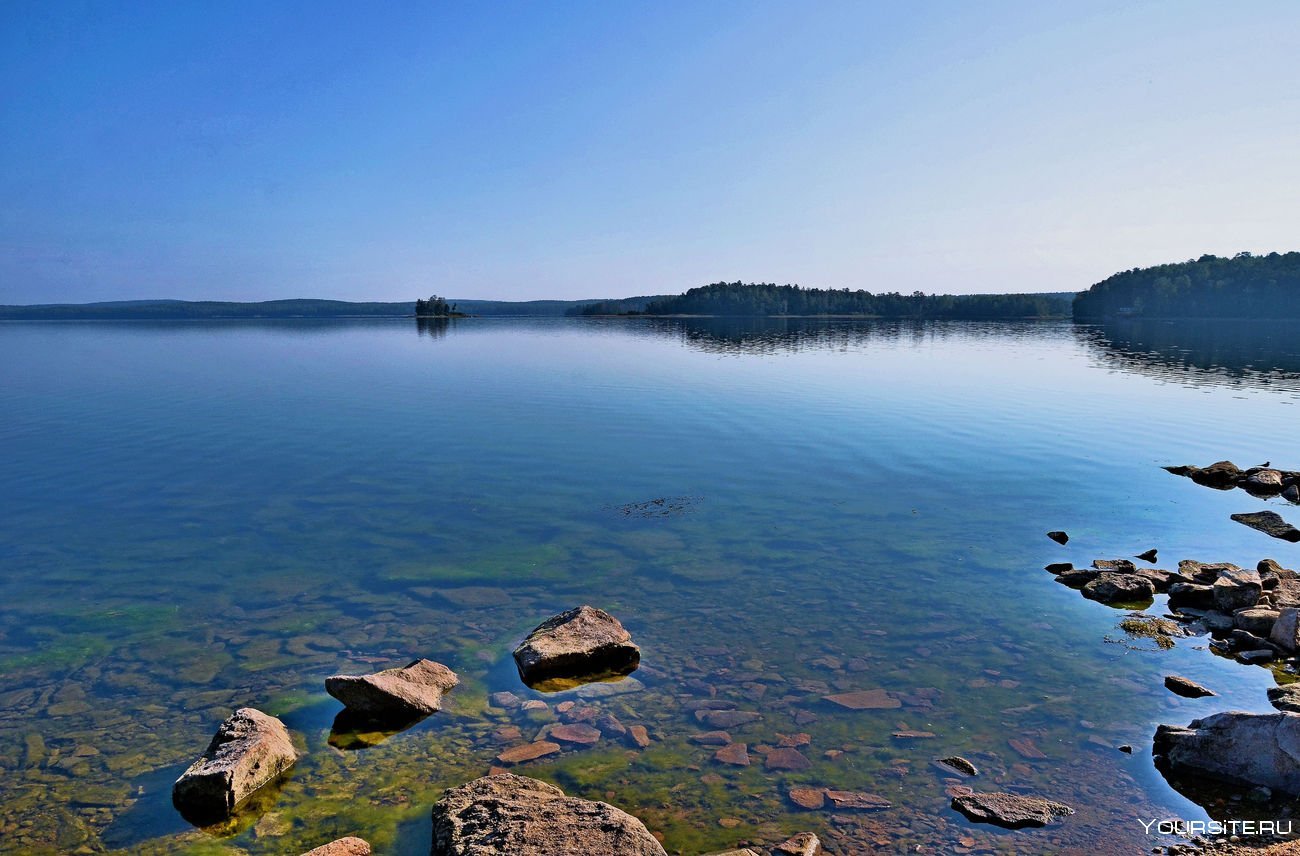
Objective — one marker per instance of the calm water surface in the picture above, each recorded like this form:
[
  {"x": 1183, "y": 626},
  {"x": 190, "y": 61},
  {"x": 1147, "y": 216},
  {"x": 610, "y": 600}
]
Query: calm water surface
[{"x": 198, "y": 517}]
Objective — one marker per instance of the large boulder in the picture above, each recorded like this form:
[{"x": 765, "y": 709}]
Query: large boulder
[
  {"x": 1111, "y": 587},
  {"x": 509, "y": 815},
  {"x": 1244, "y": 749},
  {"x": 1010, "y": 810},
  {"x": 1237, "y": 588},
  {"x": 412, "y": 691},
  {"x": 1285, "y": 632},
  {"x": 250, "y": 749},
  {"x": 579, "y": 643}
]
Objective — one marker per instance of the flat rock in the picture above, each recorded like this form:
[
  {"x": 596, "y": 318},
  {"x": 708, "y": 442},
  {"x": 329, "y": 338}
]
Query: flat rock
[
  {"x": 786, "y": 758},
  {"x": 1111, "y": 587},
  {"x": 250, "y": 749},
  {"x": 711, "y": 738},
  {"x": 350, "y": 846},
  {"x": 528, "y": 752},
  {"x": 1009, "y": 810},
  {"x": 508, "y": 814},
  {"x": 857, "y": 801},
  {"x": 737, "y": 755},
  {"x": 727, "y": 718},
  {"x": 1186, "y": 688},
  {"x": 865, "y": 700},
  {"x": 1245, "y": 749},
  {"x": 809, "y": 798},
  {"x": 577, "y": 644},
  {"x": 577, "y": 732},
  {"x": 638, "y": 736},
  {"x": 411, "y": 691},
  {"x": 1285, "y": 698},
  {"x": 1256, "y": 620},
  {"x": 803, "y": 844},
  {"x": 1270, "y": 523}
]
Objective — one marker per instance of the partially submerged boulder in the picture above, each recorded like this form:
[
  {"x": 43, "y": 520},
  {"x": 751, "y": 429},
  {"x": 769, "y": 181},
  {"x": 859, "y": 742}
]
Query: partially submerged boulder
[
  {"x": 1270, "y": 523},
  {"x": 1012, "y": 811},
  {"x": 1245, "y": 749},
  {"x": 250, "y": 749},
  {"x": 1112, "y": 587},
  {"x": 1185, "y": 687},
  {"x": 516, "y": 815},
  {"x": 1285, "y": 698},
  {"x": 582, "y": 643},
  {"x": 412, "y": 691}
]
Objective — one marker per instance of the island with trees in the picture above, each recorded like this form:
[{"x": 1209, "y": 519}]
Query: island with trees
[
  {"x": 767, "y": 299},
  {"x": 1243, "y": 286}
]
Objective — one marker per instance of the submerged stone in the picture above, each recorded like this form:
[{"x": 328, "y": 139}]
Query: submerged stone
[
  {"x": 350, "y": 846},
  {"x": 509, "y": 814},
  {"x": 803, "y": 844},
  {"x": 1009, "y": 810},
  {"x": 250, "y": 749},
  {"x": 865, "y": 700}
]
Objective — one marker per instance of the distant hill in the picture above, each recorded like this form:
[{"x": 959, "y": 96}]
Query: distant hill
[
  {"x": 163, "y": 310},
  {"x": 1244, "y": 286},
  {"x": 768, "y": 299}
]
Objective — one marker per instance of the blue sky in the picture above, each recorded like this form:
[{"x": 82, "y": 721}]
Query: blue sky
[{"x": 382, "y": 151}]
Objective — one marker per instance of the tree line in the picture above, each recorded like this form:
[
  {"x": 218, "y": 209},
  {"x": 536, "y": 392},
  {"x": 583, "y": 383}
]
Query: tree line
[
  {"x": 435, "y": 306},
  {"x": 1244, "y": 286},
  {"x": 767, "y": 299}
]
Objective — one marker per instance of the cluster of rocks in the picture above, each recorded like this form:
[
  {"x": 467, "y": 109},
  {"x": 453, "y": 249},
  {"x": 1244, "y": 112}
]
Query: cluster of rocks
[
  {"x": 252, "y": 749},
  {"x": 1262, "y": 480}
]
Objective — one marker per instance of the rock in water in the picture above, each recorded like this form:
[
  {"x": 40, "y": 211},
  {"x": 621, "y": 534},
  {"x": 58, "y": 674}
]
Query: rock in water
[
  {"x": 1110, "y": 587},
  {"x": 960, "y": 764},
  {"x": 1247, "y": 749},
  {"x": 1148, "y": 556},
  {"x": 349, "y": 846},
  {"x": 249, "y": 750},
  {"x": 1058, "y": 537},
  {"x": 1270, "y": 523},
  {"x": 1009, "y": 810},
  {"x": 515, "y": 815},
  {"x": 1285, "y": 698},
  {"x": 411, "y": 691},
  {"x": 1185, "y": 688},
  {"x": 579, "y": 643},
  {"x": 803, "y": 844}
]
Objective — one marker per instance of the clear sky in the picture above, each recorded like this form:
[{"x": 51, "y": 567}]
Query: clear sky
[{"x": 381, "y": 151}]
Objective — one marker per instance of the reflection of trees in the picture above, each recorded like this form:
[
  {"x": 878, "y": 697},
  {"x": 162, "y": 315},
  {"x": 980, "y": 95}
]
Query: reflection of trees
[
  {"x": 433, "y": 327},
  {"x": 739, "y": 336},
  {"x": 1200, "y": 352}
]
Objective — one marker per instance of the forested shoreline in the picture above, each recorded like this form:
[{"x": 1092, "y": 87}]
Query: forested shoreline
[{"x": 1243, "y": 286}]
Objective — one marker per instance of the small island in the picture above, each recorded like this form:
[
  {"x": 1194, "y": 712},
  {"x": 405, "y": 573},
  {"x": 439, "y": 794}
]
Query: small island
[{"x": 437, "y": 307}]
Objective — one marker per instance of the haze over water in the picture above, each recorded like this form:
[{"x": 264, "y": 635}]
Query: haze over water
[{"x": 199, "y": 517}]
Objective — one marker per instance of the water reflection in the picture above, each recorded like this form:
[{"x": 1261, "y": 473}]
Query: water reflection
[{"x": 1232, "y": 353}]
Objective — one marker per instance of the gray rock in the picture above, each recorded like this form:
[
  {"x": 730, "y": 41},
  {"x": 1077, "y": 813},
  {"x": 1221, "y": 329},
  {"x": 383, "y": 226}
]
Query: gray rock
[
  {"x": 1246, "y": 749},
  {"x": 1258, "y": 621},
  {"x": 1257, "y": 657},
  {"x": 1119, "y": 566},
  {"x": 1009, "y": 810},
  {"x": 411, "y": 691},
  {"x": 1286, "y": 629},
  {"x": 250, "y": 749},
  {"x": 1270, "y": 523},
  {"x": 1110, "y": 587},
  {"x": 349, "y": 846},
  {"x": 1191, "y": 594},
  {"x": 1264, "y": 482},
  {"x": 1236, "y": 588},
  {"x": 1286, "y": 698},
  {"x": 1077, "y": 577},
  {"x": 1215, "y": 620},
  {"x": 509, "y": 814},
  {"x": 581, "y": 642},
  {"x": 1186, "y": 688},
  {"x": 803, "y": 844}
]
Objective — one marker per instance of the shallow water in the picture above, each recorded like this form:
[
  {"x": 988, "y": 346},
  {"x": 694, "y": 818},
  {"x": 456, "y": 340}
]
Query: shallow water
[{"x": 201, "y": 516}]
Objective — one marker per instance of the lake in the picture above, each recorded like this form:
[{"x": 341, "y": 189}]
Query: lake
[{"x": 196, "y": 517}]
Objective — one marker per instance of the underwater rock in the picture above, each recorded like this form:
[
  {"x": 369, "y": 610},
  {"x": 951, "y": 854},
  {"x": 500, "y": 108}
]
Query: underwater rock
[
  {"x": 1191, "y": 595},
  {"x": 249, "y": 750},
  {"x": 1285, "y": 698},
  {"x": 528, "y": 752},
  {"x": 736, "y": 754},
  {"x": 1270, "y": 523},
  {"x": 1247, "y": 749},
  {"x": 865, "y": 700},
  {"x": 350, "y": 846},
  {"x": 581, "y": 642},
  {"x": 576, "y": 732},
  {"x": 727, "y": 718},
  {"x": 1110, "y": 587},
  {"x": 809, "y": 798},
  {"x": 1186, "y": 688},
  {"x": 960, "y": 764},
  {"x": 512, "y": 814},
  {"x": 413, "y": 690},
  {"x": 857, "y": 801},
  {"x": 1009, "y": 810},
  {"x": 802, "y": 844}
]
